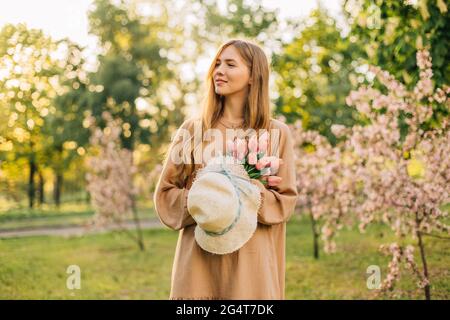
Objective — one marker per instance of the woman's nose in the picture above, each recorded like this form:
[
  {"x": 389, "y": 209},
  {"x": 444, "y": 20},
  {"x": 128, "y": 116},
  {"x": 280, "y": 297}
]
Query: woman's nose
[{"x": 219, "y": 70}]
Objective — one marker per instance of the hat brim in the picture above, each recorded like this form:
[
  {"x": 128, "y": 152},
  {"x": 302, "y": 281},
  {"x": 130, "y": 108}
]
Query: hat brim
[{"x": 241, "y": 232}]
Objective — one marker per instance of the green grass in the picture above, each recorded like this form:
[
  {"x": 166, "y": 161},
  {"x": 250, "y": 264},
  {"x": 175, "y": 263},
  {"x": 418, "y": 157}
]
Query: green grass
[
  {"x": 342, "y": 275},
  {"x": 113, "y": 268},
  {"x": 49, "y": 215}
]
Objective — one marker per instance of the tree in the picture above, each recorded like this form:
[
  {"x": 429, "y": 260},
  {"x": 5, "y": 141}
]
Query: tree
[
  {"x": 315, "y": 72},
  {"x": 29, "y": 65},
  {"x": 64, "y": 127},
  {"x": 238, "y": 19},
  {"x": 392, "y": 31},
  {"x": 405, "y": 177},
  {"x": 131, "y": 66},
  {"x": 110, "y": 178}
]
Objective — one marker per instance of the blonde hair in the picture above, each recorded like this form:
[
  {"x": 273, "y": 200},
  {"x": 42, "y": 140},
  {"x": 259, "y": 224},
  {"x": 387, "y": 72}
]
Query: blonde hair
[{"x": 257, "y": 106}]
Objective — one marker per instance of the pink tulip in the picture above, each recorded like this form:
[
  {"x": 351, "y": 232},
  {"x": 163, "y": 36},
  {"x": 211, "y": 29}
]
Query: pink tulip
[
  {"x": 241, "y": 148},
  {"x": 263, "y": 162},
  {"x": 273, "y": 181},
  {"x": 252, "y": 158},
  {"x": 232, "y": 148},
  {"x": 253, "y": 144},
  {"x": 275, "y": 164},
  {"x": 263, "y": 142},
  {"x": 266, "y": 172}
]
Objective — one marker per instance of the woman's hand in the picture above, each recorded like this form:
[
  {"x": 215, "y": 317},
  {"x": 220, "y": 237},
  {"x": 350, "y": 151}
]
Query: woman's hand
[{"x": 271, "y": 181}]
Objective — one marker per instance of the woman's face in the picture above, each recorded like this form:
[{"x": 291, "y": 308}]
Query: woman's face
[{"x": 232, "y": 69}]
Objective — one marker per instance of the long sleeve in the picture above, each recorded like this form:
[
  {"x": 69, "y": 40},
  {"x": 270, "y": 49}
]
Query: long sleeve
[
  {"x": 169, "y": 200},
  {"x": 278, "y": 203}
]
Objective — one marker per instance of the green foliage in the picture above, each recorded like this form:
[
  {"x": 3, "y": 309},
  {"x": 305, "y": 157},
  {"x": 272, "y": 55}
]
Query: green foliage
[
  {"x": 392, "y": 32},
  {"x": 29, "y": 83},
  {"x": 239, "y": 19},
  {"x": 146, "y": 73},
  {"x": 132, "y": 66},
  {"x": 68, "y": 138},
  {"x": 27, "y": 88},
  {"x": 315, "y": 73}
]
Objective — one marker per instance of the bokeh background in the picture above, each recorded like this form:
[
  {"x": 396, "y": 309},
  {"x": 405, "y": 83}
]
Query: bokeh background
[{"x": 91, "y": 92}]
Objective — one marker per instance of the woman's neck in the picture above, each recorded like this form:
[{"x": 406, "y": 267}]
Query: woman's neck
[{"x": 234, "y": 107}]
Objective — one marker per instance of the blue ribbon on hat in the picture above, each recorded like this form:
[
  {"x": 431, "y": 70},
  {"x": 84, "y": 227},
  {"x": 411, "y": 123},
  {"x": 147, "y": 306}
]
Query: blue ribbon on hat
[{"x": 233, "y": 179}]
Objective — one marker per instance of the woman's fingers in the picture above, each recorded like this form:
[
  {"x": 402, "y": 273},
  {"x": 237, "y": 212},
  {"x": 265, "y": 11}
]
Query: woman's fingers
[{"x": 274, "y": 181}]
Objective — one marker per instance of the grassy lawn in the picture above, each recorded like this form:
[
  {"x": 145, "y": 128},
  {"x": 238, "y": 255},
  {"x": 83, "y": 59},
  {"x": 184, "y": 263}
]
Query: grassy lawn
[
  {"x": 49, "y": 216},
  {"x": 113, "y": 268},
  {"x": 342, "y": 275}
]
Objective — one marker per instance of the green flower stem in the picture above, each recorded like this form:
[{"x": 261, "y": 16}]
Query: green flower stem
[
  {"x": 253, "y": 169},
  {"x": 255, "y": 175}
]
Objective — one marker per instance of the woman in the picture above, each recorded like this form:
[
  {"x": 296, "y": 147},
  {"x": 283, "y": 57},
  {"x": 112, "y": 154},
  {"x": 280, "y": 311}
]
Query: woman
[{"x": 237, "y": 98}]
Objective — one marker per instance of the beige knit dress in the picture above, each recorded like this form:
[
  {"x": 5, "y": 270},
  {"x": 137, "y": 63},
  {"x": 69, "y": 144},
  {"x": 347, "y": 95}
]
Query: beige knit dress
[{"x": 255, "y": 271}]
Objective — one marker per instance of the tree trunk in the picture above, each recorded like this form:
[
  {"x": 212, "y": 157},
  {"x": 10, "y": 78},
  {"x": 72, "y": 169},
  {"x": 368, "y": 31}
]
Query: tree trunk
[
  {"x": 128, "y": 143},
  {"x": 41, "y": 198},
  {"x": 425, "y": 267},
  {"x": 57, "y": 188},
  {"x": 315, "y": 236},
  {"x": 31, "y": 189},
  {"x": 88, "y": 197},
  {"x": 140, "y": 239}
]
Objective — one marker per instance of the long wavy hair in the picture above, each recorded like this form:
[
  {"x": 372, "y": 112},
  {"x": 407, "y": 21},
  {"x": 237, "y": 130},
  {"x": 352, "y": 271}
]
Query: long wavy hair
[{"x": 257, "y": 106}]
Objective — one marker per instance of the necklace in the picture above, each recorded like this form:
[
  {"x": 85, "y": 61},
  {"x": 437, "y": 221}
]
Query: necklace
[{"x": 230, "y": 125}]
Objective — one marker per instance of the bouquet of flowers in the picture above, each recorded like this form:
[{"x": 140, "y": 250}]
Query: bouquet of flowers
[{"x": 252, "y": 156}]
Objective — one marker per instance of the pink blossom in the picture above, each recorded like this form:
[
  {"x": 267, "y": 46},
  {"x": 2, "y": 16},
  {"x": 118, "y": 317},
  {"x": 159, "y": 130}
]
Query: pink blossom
[
  {"x": 365, "y": 177},
  {"x": 253, "y": 144},
  {"x": 110, "y": 176},
  {"x": 266, "y": 172},
  {"x": 274, "y": 163},
  {"x": 241, "y": 148},
  {"x": 263, "y": 142},
  {"x": 231, "y": 146},
  {"x": 252, "y": 158},
  {"x": 263, "y": 162}
]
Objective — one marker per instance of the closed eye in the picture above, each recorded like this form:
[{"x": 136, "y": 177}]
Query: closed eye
[{"x": 231, "y": 65}]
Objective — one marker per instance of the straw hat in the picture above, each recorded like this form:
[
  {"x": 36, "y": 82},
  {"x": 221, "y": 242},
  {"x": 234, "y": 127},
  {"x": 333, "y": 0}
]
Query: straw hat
[{"x": 224, "y": 203}]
